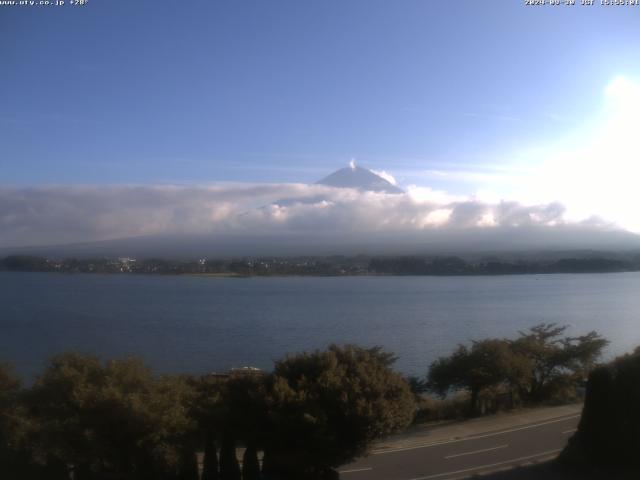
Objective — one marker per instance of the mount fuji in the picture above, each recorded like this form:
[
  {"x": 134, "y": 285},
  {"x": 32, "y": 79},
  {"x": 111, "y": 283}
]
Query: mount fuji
[{"x": 359, "y": 178}]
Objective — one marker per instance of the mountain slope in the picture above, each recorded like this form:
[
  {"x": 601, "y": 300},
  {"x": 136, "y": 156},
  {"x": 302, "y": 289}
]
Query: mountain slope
[{"x": 360, "y": 178}]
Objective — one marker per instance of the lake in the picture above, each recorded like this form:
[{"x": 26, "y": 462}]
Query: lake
[{"x": 201, "y": 324}]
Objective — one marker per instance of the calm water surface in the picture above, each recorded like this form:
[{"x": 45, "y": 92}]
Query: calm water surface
[{"x": 200, "y": 324}]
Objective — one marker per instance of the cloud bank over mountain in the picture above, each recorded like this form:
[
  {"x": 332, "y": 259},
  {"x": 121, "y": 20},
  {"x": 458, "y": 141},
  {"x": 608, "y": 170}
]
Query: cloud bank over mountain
[{"x": 254, "y": 217}]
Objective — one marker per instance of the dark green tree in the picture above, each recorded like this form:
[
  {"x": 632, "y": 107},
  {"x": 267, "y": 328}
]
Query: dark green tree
[
  {"x": 113, "y": 420},
  {"x": 609, "y": 431},
  {"x": 550, "y": 360},
  {"x": 188, "y": 468},
  {"x": 58, "y": 406},
  {"x": 231, "y": 410},
  {"x": 244, "y": 397},
  {"x": 538, "y": 365},
  {"x": 250, "y": 463},
  {"x": 15, "y": 456},
  {"x": 209, "y": 412},
  {"x": 486, "y": 364},
  {"x": 229, "y": 467},
  {"x": 210, "y": 462},
  {"x": 327, "y": 407}
]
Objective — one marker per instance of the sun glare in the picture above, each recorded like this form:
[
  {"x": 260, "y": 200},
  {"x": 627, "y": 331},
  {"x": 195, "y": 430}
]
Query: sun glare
[{"x": 599, "y": 174}]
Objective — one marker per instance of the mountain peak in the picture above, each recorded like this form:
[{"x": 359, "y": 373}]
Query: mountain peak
[{"x": 360, "y": 178}]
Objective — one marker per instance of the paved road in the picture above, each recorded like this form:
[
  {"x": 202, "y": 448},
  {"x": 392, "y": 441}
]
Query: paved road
[{"x": 464, "y": 457}]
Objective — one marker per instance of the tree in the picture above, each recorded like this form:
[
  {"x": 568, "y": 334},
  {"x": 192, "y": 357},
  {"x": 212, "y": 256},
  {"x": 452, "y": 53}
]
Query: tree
[
  {"x": 550, "y": 360},
  {"x": 229, "y": 467},
  {"x": 14, "y": 428},
  {"x": 250, "y": 464},
  {"x": 326, "y": 408},
  {"x": 244, "y": 398},
  {"x": 25, "y": 263},
  {"x": 113, "y": 420},
  {"x": 607, "y": 435},
  {"x": 208, "y": 412},
  {"x": 173, "y": 435},
  {"x": 486, "y": 364},
  {"x": 210, "y": 462},
  {"x": 230, "y": 409},
  {"x": 188, "y": 468},
  {"x": 57, "y": 404},
  {"x": 9, "y": 392},
  {"x": 537, "y": 365}
]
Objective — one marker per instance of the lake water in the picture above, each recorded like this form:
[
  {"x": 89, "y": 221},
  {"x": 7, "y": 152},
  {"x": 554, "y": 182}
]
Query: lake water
[{"x": 201, "y": 324}]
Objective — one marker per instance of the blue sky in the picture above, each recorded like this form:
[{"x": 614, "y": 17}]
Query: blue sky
[{"x": 147, "y": 92}]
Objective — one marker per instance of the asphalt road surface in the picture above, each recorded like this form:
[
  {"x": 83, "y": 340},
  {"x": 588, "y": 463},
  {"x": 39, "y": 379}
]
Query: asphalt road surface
[{"x": 468, "y": 456}]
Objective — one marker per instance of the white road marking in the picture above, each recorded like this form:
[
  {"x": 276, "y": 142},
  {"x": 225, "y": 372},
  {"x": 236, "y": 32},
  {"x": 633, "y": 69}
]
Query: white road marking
[
  {"x": 476, "y": 451},
  {"x": 354, "y": 470},
  {"x": 566, "y": 432},
  {"x": 493, "y": 434},
  {"x": 490, "y": 465}
]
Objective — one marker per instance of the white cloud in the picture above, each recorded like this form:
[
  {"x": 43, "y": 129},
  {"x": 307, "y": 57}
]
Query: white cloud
[
  {"x": 58, "y": 215},
  {"x": 426, "y": 194}
]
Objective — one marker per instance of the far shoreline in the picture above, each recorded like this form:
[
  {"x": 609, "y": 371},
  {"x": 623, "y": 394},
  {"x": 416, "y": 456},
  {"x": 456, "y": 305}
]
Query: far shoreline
[
  {"x": 337, "y": 265},
  {"x": 327, "y": 275}
]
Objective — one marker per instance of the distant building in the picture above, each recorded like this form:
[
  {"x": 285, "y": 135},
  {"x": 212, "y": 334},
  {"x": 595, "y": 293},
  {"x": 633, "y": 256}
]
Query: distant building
[
  {"x": 125, "y": 263},
  {"x": 240, "y": 371}
]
